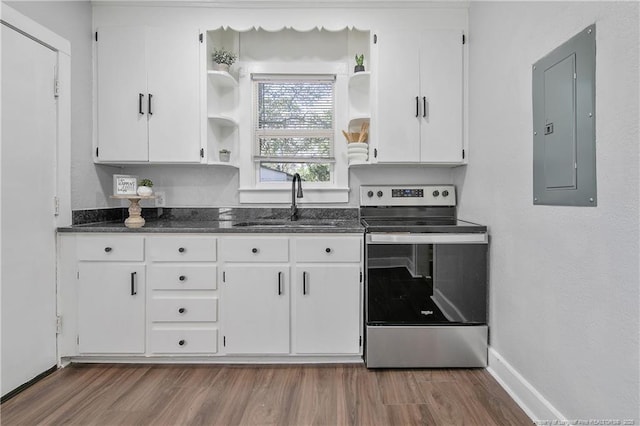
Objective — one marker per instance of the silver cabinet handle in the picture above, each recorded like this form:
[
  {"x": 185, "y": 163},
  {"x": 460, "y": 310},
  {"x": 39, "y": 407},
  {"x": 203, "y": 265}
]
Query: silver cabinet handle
[
  {"x": 304, "y": 283},
  {"x": 425, "y": 107},
  {"x": 279, "y": 283}
]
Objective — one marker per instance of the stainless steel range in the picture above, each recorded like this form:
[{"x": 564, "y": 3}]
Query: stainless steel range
[{"x": 426, "y": 279}]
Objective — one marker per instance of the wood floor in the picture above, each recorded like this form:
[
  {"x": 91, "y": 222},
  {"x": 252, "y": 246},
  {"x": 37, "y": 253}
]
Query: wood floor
[{"x": 108, "y": 394}]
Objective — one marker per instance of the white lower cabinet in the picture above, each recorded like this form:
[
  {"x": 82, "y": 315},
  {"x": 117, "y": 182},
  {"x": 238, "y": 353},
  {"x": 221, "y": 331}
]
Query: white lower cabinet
[
  {"x": 256, "y": 309},
  {"x": 327, "y": 301},
  {"x": 111, "y": 300},
  {"x": 182, "y": 298},
  {"x": 315, "y": 310},
  {"x": 157, "y": 295}
]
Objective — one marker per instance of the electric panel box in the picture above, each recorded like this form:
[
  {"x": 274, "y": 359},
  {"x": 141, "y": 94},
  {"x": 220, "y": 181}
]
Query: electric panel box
[{"x": 564, "y": 149}]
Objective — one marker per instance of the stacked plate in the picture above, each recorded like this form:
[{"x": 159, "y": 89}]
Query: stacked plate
[{"x": 357, "y": 152}]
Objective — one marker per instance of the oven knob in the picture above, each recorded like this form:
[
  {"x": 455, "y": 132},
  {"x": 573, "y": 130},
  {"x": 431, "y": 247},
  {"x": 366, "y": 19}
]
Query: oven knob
[
  {"x": 379, "y": 193},
  {"x": 445, "y": 193},
  {"x": 436, "y": 193},
  {"x": 370, "y": 194}
]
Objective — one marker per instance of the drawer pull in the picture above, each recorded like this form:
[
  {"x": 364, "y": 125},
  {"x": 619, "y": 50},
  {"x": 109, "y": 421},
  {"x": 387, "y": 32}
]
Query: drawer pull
[
  {"x": 182, "y": 250},
  {"x": 254, "y": 250},
  {"x": 279, "y": 283},
  {"x": 328, "y": 250},
  {"x": 182, "y": 310},
  {"x": 107, "y": 249},
  {"x": 182, "y": 278},
  {"x": 182, "y": 342}
]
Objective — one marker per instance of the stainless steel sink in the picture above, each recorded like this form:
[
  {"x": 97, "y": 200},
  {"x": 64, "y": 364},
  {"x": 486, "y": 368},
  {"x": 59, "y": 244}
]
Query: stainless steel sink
[{"x": 287, "y": 224}]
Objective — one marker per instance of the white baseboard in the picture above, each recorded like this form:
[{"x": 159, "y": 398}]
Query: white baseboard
[{"x": 523, "y": 393}]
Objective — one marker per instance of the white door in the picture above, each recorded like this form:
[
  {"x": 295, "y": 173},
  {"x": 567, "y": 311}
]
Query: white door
[
  {"x": 111, "y": 314},
  {"x": 173, "y": 84},
  {"x": 29, "y": 138},
  {"x": 442, "y": 83},
  {"x": 398, "y": 102},
  {"x": 122, "y": 94},
  {"x": 327, "y": 309},
  {"x": 256, "y": 309}
]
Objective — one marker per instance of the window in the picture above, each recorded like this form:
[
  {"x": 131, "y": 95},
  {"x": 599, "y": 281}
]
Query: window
[{"x": 294, "y": 127}]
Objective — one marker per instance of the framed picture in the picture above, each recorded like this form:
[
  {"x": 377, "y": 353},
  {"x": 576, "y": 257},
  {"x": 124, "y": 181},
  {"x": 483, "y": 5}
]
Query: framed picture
[{"x": 125, "y": 185}]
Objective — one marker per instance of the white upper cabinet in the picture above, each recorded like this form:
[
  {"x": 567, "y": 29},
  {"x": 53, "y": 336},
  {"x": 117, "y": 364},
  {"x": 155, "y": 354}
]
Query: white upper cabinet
[
  {"x": 420, "y": 89},
  {"x": 148, "y": 95}
]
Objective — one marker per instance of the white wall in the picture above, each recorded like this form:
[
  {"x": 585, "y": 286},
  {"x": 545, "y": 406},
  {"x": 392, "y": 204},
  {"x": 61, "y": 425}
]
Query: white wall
[
  {"x": 72, "y": 20},
  {"x": 564, "y": 280}
]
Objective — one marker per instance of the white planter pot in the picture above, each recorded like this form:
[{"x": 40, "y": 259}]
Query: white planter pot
[
  {"x": 220, "y": 67},
  {"x": 144, "y": 191}
]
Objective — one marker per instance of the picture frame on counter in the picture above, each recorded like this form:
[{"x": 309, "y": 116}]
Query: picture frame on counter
[{"x": 125, "y": 185}]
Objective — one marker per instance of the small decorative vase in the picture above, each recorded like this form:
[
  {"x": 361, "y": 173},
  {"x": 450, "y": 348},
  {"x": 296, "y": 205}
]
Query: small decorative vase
[
  {"x": 358, "y": 68},
  {"x": 220, "y": 67},
  {"x": 225, "y": 156},
  {"x": 144, "y": 191}
]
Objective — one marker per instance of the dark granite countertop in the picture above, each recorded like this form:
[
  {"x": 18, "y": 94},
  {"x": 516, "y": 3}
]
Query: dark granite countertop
[{"x": 220, "y": 220}]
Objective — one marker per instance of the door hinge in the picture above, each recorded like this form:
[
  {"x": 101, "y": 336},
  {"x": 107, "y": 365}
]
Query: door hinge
[
  {"x": 464, "y": 39},
  {"x": 224, "y": 340},
  {"x": 463, "y": 154},
  {"x": 375, "y": 39},
  {"x": 375, "y": 153},
  {"x": 59, "y": 324},
  {"x": 56, "y": 87},
  {"x": 96, "y": 36},
  {"x": 201, "y": 152},
  {"x": 97, "y": 150},
  {"x": 56, "y": 206},
  {"x": 200, "y": 37}
]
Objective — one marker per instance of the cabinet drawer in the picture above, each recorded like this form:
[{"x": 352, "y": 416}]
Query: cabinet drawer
[
  {"x": 183, "y": 309},
  {"x": 182, "y": 248},
  {"x": 335, "y": 249},
  {"x": 186, "y": 341},
  {"x": 255, "y": 249},
  {"x": 110, "y": 248},
  {"x": 182, "y": 277}
]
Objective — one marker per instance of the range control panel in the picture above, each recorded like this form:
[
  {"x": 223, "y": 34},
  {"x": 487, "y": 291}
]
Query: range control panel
[{"x": 407, "y": 195}]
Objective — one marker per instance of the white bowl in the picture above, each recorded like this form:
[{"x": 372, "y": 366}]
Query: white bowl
[
  {"x": 357, "y": 150},
  {"x": 358, "y": 145}
]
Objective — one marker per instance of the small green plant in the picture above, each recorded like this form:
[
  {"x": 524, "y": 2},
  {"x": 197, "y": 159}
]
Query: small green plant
[
  {"x": 146, "y": 182},
  {"x": 360, "y": 59},
  {"x": 222, "y": 56}
]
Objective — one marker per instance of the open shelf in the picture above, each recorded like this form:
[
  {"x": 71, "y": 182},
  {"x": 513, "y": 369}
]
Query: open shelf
[
  {"x": 223, "y": 120},
  {"x": 222, "y": 79}
]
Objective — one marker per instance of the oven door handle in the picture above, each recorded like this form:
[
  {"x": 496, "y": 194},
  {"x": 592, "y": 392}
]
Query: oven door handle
[{"x": 445, "y": 238}]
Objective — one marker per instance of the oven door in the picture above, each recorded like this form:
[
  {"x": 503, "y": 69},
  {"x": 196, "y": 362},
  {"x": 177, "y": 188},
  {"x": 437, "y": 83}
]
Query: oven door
[{"x": 426, "y": 300}]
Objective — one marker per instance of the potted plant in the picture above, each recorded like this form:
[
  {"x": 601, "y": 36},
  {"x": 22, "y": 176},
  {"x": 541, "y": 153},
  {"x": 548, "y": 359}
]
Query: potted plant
[
  {"x": 144, "y": 188},
  {"x": 225, "y": 155},
  {"x": 223, "y": 59},
  {"x": 359, "y": 63}
]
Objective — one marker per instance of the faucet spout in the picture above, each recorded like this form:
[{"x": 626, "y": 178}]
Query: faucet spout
[{"x": 294, "y": 195}]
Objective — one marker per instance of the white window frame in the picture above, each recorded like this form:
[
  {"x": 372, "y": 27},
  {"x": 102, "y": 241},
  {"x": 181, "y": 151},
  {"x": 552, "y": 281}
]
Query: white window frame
[{"x": 253, "y": 191}]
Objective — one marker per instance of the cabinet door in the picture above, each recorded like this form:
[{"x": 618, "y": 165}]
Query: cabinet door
[
  {"x": 111, "y": 307},
  {"x": 122, "y": 94},
  {"x": 327, "y": 309},
  {"x": 173, "y": 84},
  {"x": 398, "y": 102},
  {"x": 441, "y": 87},
  {"x": 256, "y": 309}
]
